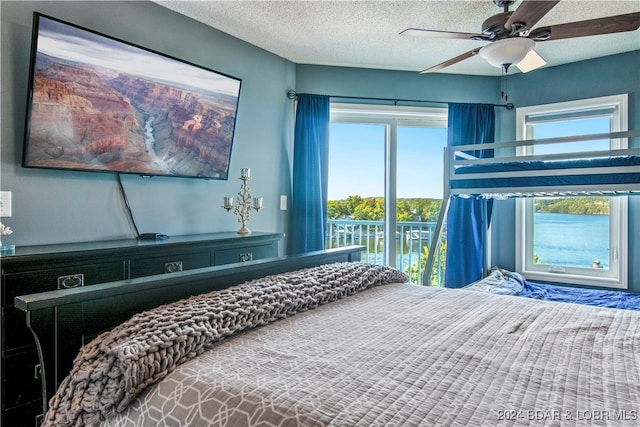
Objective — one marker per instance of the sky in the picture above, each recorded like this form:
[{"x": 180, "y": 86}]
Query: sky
[
  {"x": 576, "y": 127},
  {"x": 356, "y": 161},
  {"x": 356, "y": 156}
]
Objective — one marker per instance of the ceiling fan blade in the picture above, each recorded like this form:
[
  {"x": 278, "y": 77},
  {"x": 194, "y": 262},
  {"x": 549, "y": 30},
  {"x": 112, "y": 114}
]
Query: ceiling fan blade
[
  {"x": 529, "y": 13},
  {"x": 590, "y": 27},
  {"x": 441, "y": 34},
  {"x": 531, "y": 62},
  {"x": 451, "y": 61}
]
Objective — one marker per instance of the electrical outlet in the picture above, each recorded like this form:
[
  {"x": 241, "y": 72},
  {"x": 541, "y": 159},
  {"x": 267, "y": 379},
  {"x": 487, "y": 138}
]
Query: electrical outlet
[
  {"x": 283, "y": 203},
  {"x": 5, "y": 203}
]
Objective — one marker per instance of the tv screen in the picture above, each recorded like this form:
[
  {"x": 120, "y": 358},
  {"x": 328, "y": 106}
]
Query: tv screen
[{"x": 96, "y": 103}]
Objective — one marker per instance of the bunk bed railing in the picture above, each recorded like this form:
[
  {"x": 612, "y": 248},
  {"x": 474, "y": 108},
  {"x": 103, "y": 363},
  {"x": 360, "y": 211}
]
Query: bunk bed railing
[
  {"x": 556, "y": 140},
  {"x": 470, "y": 160}
]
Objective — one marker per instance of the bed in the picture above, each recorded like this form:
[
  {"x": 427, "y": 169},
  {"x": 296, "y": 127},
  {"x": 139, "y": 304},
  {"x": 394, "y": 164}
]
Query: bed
[
  {"x": 63, "y": 321},
  {"x": 614, "y": 171},
  {"x": 503, "y": 175},
  {"x": 345, "y": 343}
]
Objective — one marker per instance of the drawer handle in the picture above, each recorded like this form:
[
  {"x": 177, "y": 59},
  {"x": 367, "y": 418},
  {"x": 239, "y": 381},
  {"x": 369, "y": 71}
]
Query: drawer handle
[
  {"x": 248, "y": 256},
  {"x": 71, "y": 281},
  {"x": 173, "y": 266}
]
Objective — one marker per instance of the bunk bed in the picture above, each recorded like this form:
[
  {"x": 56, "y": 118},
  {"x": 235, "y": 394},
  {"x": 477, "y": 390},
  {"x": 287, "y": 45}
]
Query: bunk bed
[
  {"x": 514, "y": 172},
  {"x": 606, "y": 172}
]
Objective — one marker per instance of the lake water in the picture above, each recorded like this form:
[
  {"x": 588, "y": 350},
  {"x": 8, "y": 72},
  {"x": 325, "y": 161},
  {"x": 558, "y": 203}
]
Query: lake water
[
  {"x": 559, "y": 239},
  {"x": 571, "y": 240}
]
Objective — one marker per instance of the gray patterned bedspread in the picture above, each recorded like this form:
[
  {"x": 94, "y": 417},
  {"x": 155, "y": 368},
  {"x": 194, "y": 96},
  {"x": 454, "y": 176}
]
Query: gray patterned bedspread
[{"x": 401, "y": 355}]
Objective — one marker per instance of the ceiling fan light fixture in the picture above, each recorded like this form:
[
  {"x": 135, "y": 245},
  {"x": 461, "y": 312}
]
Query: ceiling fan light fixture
[
  {"x": 531, "y": 62},
  {"x": 505, "y": 52}
]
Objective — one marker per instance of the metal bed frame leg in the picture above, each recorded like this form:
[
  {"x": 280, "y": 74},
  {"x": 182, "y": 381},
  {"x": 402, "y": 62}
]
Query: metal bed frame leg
[
  {"x": 486, "y": 239},
  {"x": 435, "y": 240}
]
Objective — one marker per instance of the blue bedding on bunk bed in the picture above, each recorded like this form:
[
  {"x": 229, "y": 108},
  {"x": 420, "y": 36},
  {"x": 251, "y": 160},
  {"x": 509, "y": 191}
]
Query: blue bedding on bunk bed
[
  {"x": 505, "y": 282},
  {"x": 597, "y": 297},
  {"x": 542, "y": 181}
]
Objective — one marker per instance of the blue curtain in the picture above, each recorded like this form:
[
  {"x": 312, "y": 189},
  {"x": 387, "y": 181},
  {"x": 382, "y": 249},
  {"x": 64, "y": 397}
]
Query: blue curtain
[
  {"x": 468, "y": 124},
  {"x": 310, "y": 158}
]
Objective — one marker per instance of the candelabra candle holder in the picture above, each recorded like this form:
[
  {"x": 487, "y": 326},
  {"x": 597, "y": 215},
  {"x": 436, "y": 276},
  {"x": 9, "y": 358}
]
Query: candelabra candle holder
[{"x": 245, "y": 202}]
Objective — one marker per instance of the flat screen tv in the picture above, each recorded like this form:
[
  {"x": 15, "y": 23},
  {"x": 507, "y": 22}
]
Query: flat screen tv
[{"x": 96, "y": 103}]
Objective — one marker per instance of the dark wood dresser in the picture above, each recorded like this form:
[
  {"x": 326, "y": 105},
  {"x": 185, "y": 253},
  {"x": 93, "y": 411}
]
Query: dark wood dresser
[{"x": 48, "y": 267}]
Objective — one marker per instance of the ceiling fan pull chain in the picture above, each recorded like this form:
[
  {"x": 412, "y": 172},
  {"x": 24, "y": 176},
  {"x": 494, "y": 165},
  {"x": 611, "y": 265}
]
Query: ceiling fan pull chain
[
  {"x": 503, "y": 86},
  {"x": 506, "y": 89}
]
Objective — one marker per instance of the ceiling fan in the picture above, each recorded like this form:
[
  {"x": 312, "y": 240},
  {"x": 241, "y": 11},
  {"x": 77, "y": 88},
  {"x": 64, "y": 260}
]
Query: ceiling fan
[{"x": 512, "y": 36}]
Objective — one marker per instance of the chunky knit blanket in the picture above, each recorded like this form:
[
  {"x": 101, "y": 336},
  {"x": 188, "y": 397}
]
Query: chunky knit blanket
[{"x": 116, "y": 366}]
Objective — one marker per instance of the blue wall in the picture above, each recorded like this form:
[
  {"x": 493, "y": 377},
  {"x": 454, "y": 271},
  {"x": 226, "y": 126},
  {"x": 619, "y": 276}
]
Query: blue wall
[
  {"x": 396, "y": 84},
  {"x": 62, "y": 206}
]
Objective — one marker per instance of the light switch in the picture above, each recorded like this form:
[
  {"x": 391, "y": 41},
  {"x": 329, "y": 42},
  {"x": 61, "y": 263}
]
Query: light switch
[
  {"x": 5, "y": 203},
  {"x": 283, "y": 202}
]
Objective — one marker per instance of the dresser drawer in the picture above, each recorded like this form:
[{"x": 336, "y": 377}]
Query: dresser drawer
[
  {"x": 21, "y": 381},
  {"x": 168, "y": 264},
  {"x": 249, "y": 253},
  {"x": 30, "y": 282}
]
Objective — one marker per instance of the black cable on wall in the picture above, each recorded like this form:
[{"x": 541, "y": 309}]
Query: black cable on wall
[{"x": 125, "y": 202}]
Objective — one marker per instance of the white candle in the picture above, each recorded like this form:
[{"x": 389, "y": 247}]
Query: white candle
[{"x": 245, "y": 173}]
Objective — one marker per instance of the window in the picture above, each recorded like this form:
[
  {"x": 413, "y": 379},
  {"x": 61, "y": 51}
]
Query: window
[
  {"x": 386, "y": 159},
  {"x": 579, "y": 240}
]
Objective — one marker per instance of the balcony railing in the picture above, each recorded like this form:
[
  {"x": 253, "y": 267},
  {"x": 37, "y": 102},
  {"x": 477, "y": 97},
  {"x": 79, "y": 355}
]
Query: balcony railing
[{"x": 413, "y": 240}]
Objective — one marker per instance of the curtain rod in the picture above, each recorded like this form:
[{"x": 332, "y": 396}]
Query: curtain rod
[{"x": 292, "y": 94}]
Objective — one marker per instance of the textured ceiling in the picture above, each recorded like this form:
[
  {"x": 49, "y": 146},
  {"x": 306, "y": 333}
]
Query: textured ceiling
[{"x": 365, "y": 33}]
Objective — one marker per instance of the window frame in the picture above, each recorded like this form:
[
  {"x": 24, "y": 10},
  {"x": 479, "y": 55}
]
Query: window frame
[{"x": 617, "y": 274}]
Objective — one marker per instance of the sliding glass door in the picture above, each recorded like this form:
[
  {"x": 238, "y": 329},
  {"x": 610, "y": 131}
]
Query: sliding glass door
[{"x": 386, "y": 160}]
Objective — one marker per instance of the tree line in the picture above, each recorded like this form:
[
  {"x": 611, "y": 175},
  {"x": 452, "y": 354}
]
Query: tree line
[
  {"x": 574, "y": 205},
  {"x": 426, "y": 210},
  {"x": 372, "y": 209}
]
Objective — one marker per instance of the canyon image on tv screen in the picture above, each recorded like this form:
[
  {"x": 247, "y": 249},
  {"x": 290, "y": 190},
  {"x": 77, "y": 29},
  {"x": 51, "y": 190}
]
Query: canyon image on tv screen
[{"x": 100, "y": 104}]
